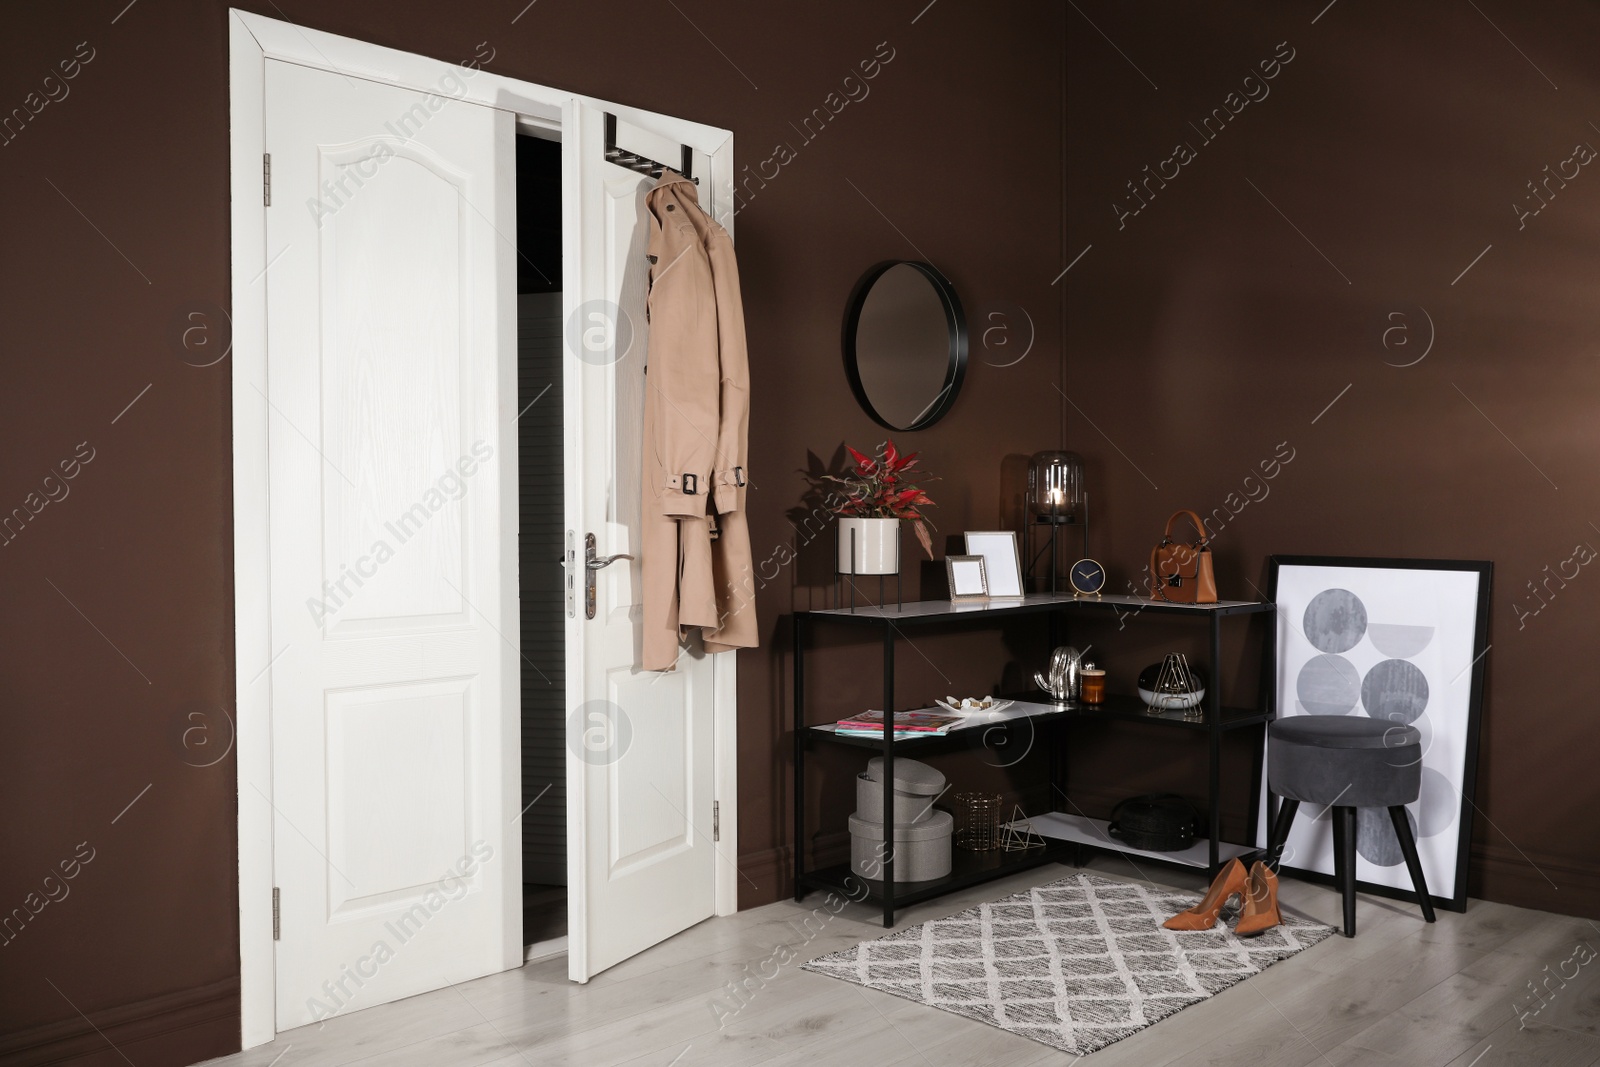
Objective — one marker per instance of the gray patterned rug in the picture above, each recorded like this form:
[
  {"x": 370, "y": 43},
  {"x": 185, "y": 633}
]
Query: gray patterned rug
[{"x": 1075, "y": 964}]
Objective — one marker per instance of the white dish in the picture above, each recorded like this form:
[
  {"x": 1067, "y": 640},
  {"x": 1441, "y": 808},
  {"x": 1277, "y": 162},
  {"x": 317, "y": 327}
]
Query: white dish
[
  {"x": 971, "y": 707},
  {"x": 1172, "y": 701}
]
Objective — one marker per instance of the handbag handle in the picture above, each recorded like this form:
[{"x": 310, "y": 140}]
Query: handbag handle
[{"x": 1166, "y": 536}]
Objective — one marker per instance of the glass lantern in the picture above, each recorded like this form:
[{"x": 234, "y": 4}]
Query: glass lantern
[{"x": 1055, "y": 488}]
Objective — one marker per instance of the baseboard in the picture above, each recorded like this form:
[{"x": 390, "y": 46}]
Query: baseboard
[
  {"x": 772, "y": 869},
  {"x": 829, "y": 849},
  {"x": 765, "y": 876},
  {"x": 187, "y": 1019},
  {"x": 1505, "y": 874}
]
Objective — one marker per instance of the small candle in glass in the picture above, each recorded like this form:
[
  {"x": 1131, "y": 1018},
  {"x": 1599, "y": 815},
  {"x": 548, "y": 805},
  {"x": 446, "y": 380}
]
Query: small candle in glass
[{"x": 1092, "y": 689}]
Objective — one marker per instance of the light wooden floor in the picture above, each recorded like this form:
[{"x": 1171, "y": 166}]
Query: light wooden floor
[{"x": 1401, "y": 994}]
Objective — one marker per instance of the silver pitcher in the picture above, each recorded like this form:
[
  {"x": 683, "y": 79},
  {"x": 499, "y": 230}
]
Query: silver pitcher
[{"x": 1063, "y": 678}]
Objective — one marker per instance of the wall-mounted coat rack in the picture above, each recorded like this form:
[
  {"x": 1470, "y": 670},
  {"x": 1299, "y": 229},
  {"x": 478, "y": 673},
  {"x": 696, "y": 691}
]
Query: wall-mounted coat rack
[{"x": 644, "y": 164}]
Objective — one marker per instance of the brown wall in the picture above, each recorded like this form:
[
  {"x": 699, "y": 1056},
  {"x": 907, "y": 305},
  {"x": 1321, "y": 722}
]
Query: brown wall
[
  {"x": 1206, "y": 329},
  {"x": 116, "y": 645},
  {"x": 1395, "y": 140}
]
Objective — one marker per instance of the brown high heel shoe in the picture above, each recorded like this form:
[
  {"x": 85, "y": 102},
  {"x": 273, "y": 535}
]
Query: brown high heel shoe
[
  {"x": 1231, "y": 881},
  {"x": 1260, "y": 902}
]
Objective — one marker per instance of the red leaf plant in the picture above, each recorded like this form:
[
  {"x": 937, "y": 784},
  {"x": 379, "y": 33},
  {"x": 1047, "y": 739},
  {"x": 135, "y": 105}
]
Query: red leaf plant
[{"x": 884, "y": 487}]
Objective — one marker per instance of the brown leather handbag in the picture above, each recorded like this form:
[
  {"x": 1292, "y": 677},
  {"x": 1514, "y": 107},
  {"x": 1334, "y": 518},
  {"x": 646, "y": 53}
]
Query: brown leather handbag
[{"x": 1182, "y": 574}]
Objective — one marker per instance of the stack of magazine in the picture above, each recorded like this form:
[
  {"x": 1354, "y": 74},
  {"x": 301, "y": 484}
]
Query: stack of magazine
[{"x": 907, "y": 724}]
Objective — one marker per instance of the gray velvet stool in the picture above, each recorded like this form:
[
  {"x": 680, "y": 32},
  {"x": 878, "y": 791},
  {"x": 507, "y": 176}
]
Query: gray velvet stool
[{"x": 1346, "y": 762}]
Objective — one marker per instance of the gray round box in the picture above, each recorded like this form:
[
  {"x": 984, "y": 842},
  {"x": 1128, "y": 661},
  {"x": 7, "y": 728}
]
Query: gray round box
[
  {"x": 921, "y": 850},
  {"x": 915, "y": 787}
]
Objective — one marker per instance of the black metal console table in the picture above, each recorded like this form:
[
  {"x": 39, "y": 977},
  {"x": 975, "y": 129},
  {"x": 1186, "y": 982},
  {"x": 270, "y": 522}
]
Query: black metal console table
[{"x": 1066, "y": 834}]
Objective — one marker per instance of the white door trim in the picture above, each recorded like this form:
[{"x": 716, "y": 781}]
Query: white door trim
[{"x": 253, "y": 39}]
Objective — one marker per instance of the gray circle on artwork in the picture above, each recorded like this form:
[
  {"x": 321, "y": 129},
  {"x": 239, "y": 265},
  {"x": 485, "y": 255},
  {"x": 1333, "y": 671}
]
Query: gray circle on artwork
[
  {"x": 1399, "y": 642},
  {"x": 1375, "y": 839},
  {"x": 1437, "y": 806},
  {"x": 1328, "y": 685},
  {"x": 1335, "y": 620},
  {"x": 1395, "y": 690}
]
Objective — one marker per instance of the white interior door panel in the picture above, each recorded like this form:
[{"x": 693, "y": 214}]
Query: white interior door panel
[{"x": 390, "y": 368}]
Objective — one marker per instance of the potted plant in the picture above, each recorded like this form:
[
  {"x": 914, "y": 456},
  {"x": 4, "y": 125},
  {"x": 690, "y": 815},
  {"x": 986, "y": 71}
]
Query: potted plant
[{"x": 871, "y": 501}]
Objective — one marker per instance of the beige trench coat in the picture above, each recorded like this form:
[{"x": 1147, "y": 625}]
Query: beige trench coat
[{"x": 695, "y": 542}]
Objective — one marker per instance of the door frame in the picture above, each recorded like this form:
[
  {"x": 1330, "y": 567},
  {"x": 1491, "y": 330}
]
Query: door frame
[{"x": 252, "y": 40}]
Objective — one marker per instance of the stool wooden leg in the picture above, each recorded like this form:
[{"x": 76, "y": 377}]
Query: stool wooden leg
[
  {"x": 1344, "y": 863},
  {"x": 1338, "y": 850},
  {"x": 1280, "y": 831},
  {"x": 1408, "y": 848}
]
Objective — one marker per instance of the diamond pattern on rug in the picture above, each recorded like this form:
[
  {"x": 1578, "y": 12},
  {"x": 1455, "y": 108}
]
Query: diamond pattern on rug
[{"x": 1076, "y": 964}]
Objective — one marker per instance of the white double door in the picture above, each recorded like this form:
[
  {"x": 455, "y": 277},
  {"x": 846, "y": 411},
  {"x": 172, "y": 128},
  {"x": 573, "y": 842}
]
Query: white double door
[{"x": 393, "y": 500}]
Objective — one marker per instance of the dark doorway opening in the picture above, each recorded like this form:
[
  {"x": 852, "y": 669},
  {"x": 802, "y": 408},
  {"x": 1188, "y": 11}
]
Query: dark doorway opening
[{"x": 542, "y": 541}]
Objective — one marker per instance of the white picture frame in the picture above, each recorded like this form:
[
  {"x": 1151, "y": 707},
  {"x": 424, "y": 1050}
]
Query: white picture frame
[{"x": 1001, "y": 561}]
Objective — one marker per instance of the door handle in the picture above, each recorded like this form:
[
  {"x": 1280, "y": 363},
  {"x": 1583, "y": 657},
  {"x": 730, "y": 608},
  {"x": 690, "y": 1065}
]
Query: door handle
[{"x": 592, "y": 563}]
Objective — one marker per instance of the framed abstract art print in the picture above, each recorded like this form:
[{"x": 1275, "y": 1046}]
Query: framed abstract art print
[{"x": 1402, "y": 641}]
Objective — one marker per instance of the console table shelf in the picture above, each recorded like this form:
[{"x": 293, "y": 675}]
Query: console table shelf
[
  {"x": 1096, "y": 833},
  {"x": 933, "y": 611},
  {"x": 1066, "y": 835}
]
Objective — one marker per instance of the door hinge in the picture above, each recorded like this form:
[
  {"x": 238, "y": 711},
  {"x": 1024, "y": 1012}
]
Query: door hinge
[
  {"x": 276, "y": 921},
  {"x": 266, "y": 179},
  {"x": 716, "y": 820}
]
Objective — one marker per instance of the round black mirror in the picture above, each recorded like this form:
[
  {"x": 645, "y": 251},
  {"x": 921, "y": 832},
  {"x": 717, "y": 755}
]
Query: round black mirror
[{"x": 905, "y": 344}]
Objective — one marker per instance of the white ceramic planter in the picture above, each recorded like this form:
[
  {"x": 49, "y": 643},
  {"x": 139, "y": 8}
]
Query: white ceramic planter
[{"x": 877, "y": 546}]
